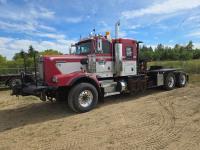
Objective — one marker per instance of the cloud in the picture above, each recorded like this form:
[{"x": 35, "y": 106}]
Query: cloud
[
  {"x": 47, "y": 28},
  {"x": 51, "y": 35},
  {"x": 10, "y": 46},
  {"x": 33, "y": 29},
  {"x": 103, "y": 27},
  {"x": 193, "y": 22},
  {"x": 25, "y": 19},
  {"x": 122, "y": 34},
  {"x": 29, "y": 13},
  {"x": 10, "y": 26},
  {"x": 194, "y": 34},
  {"x": 42, "y": 13},
  {"x": 196, "y": 45},
  {"x": 73, "y": 19},
  {"x": 165, "y": 7},
  {"x": 134, "y": 26},
  {"x": 30, "y": 20},
  {"x": 3, "y": 1},
  {"x": 194, "y": 18},
  {"x": 29, "y": 23}
]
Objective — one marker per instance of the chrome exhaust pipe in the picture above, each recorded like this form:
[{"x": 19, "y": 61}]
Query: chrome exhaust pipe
[{"x": 117, "y": 25}]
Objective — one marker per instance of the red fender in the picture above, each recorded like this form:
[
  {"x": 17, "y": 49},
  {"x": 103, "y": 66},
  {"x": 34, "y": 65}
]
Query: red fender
[{"x": 70, "y": 79}]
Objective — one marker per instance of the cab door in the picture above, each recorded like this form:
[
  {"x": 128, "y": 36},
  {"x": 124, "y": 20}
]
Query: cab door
[
  {"x": 129, "y": 64},
  {"x": 104, "y": 60}
]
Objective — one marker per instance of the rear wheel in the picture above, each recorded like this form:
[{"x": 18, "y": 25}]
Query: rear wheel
[
  {"x": 83, "y": 97},
  {"x": 170, "y": 81},
  {"x": 181, "y": 80}
]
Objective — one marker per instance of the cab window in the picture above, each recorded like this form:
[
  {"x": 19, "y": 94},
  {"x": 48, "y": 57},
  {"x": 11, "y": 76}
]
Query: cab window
[
  {"x": 83, "y": 48},
  {"x": 129, "y": 53},
  {"x": 106, "y": 47}
]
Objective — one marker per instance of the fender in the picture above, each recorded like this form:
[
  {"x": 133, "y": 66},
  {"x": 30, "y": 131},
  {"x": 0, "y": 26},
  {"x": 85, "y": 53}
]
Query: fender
[{"x": 72, "y": 78}]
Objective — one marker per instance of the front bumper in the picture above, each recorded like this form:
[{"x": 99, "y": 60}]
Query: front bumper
[{"x": 27, "y": 90}]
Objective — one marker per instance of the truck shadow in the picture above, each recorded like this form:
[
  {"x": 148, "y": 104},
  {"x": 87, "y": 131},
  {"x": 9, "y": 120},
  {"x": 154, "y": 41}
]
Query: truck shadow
[
  {"x": 130, "y": 97},
  {"x": 3, "y": 88},
  {"x": 32, "y": 114},
  {"x": 46, "y": 111}
]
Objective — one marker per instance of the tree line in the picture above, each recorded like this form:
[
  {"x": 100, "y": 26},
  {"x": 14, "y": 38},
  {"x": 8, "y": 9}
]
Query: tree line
[
  {"x": 27, "y": 57},
  {"x": 161, "y": 52}
]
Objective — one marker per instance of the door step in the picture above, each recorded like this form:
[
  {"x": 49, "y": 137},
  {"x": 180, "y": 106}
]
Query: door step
[{"x": 111, "y": 94}]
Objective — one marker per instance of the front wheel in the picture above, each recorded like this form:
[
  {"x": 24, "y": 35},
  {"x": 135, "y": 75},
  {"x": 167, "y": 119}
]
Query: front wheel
[{"x": 83, "y": 97}]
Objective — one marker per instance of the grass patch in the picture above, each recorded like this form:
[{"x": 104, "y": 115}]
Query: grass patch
[
  {"x": 190, "y": 66},
  {"x": 194, "y": 79}
]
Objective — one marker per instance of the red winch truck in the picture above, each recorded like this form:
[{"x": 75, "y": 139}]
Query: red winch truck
[{"x": 100, "y": 67}]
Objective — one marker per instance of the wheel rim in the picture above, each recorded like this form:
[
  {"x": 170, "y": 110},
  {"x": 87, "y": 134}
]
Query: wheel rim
[
  {"x": 85, "y": 98},
  {"x": 171, "y": 82},
  {"x": 182, "y": 79}
]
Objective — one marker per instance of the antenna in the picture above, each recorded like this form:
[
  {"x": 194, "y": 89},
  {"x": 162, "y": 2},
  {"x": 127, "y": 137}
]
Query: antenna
[{"x": 94, "y": 30}]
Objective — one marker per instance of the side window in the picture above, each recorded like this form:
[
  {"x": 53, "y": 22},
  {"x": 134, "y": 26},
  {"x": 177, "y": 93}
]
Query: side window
[
  {"x": 106, "y": 47},
  {"x": 129, "y": 53}
]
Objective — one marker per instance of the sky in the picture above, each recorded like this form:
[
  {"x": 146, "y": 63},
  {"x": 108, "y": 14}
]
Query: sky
[{"x": 56, "y": 24}]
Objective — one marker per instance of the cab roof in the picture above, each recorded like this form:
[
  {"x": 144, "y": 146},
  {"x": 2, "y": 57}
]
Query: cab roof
[{"x": 121, "y": 40}]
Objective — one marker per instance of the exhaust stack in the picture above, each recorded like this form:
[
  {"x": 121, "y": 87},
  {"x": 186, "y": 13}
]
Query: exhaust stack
[
  {"x": 118, "y": 51},
  {"x": 117, "y": 29}
]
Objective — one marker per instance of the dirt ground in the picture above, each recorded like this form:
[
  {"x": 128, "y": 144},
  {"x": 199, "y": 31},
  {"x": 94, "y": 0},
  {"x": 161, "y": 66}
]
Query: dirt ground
[{"x": 156, "y": 119}]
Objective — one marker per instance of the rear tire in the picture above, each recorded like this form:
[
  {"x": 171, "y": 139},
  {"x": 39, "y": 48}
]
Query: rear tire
[
  {"x": 181, "y": 80},
  {"x": 170, "y": 81},
  {"x": 83, "y": 97}
]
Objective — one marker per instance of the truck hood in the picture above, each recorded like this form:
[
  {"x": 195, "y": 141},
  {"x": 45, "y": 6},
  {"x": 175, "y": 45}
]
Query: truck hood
[
  {"x": 66, "y": 58},
  {"x": 61, "y": 65}
]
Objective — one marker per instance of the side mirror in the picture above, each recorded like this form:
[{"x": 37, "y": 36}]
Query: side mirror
[
  {"x": 72, "y": 49},
  {"x": 99, "y": 45}
]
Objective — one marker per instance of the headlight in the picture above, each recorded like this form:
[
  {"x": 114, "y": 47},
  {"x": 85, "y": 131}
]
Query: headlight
[{"x": 54, "y": 79}]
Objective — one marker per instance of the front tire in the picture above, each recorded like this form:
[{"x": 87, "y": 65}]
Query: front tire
[
  {"x": 83, "y": 97},
  {"x": 169, "y": 82}
]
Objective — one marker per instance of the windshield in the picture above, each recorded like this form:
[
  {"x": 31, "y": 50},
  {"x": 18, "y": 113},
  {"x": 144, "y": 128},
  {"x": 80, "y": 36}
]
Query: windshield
[{"x": 83, "y": 48}]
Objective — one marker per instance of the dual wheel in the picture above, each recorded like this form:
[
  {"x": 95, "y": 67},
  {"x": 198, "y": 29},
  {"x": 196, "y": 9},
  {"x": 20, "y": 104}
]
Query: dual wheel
[
  {"x": 83, "y": 97},
  {"x": 171, "y": 80}
]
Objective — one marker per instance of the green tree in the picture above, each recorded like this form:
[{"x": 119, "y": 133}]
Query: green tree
[
  {"x": 31, "y": 51},
  {"x": 19, "y": 55},
  {"x": 146, "y": 53},
  {"x": 50, "y": 52},
  {"x": 196, "y": 54},
  {"x": 2, "y": 59},
  {"x": 189, "y": 46}
]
